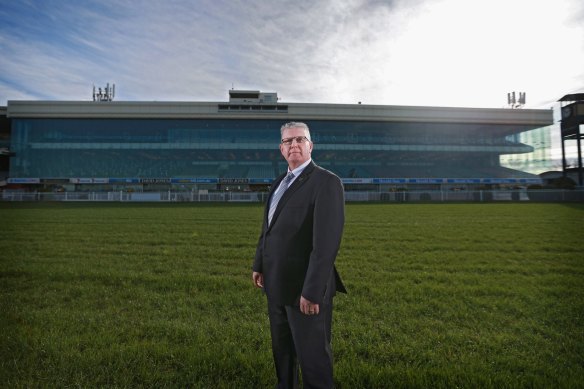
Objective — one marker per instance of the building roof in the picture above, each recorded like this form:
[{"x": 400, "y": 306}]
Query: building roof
[
  {"x": 293, "y": 111},
  {"x": 573, "y": 97}
]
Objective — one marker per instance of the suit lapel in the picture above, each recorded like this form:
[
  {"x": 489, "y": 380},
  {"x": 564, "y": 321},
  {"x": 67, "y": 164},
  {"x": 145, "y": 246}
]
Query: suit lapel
[
  {"x": 275, "y": 185},
  {"x": 301, "y": 180}
]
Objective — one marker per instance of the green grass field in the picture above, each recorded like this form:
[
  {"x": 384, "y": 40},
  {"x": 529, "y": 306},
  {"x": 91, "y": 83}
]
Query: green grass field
[{"x": 160, "y": 295}]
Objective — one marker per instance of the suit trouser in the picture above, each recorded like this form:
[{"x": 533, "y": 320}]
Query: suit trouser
[{"x": 302, "y": 339}]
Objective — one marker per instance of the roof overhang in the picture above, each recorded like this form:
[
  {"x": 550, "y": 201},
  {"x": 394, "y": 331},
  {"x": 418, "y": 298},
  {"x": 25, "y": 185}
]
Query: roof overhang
[
  {"x": 534, "y": 118},
  {"x": 572, "y": 97}
]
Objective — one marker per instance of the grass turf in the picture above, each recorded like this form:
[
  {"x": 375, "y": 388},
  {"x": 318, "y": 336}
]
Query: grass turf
[{"x": 160, "y": 295}]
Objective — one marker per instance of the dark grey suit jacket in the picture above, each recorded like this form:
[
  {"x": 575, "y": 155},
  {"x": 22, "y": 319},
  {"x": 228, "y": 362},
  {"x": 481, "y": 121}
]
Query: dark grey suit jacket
[{"x": 297, "y": 251}]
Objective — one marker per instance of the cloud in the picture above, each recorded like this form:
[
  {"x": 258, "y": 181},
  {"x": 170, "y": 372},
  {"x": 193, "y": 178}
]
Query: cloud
[{"x": 434, "y": 52}]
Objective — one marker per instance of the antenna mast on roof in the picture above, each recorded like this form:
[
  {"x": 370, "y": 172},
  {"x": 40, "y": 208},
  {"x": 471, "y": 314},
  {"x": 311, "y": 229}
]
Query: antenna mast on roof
[
  {"x": 513, "y": 102},
  {"x": 107, "y": 94}
]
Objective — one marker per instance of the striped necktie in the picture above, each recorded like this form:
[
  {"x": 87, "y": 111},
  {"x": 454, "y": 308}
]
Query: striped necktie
[{"x": 276, "y": 197}]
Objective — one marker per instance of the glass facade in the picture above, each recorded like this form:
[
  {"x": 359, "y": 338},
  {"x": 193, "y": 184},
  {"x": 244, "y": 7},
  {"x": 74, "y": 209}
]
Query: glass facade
[
  {"x": 536, "y": 162},
  {"x": 248, "y": 149}
]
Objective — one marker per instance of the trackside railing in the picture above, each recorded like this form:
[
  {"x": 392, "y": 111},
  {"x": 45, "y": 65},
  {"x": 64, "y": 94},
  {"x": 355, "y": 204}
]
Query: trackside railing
[{"x": 261, "y": 197}]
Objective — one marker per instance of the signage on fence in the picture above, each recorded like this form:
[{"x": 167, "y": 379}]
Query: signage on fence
[
  {"x": 193, "y": 180},
  {"x": 24, "y": 180},
  {"x": 464, "y": 180},
  {"x": 389, "y": 180},
  {"x": 425, "y": 180},
  {"x": 124, "y": 180},
  {"x": 55, "y": 181},
  {"x": 88, "y": 180},
  {"x": 357, "y": 180},
  {"x": 131, "y": 180},
  {"x": 233, "y": 180},
  {"x": 155, "y": 180}
]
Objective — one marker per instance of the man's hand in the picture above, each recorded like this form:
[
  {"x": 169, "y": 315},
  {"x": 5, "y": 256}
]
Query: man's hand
[
  {"x": 308, "y": 307},
  {"x": 258, "y": 279}
]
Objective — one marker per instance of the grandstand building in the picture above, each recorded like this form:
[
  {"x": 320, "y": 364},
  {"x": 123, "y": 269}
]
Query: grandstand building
[{"x": 233, "y": 145}]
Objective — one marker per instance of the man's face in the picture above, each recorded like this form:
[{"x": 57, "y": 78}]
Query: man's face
[{"x": 295, "y": 153}]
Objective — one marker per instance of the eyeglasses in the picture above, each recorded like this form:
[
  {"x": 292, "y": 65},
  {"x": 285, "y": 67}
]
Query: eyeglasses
[{"x": 298, "y": 139}]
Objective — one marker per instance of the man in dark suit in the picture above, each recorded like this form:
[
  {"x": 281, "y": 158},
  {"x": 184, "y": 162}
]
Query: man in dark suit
[{"x": 294, "y": 262}]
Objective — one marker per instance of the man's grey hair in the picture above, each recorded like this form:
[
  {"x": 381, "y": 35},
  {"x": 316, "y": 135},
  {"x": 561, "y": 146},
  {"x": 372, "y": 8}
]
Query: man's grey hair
[{"x": 295, "y": 125}]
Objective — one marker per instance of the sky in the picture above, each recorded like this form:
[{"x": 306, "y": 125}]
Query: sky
[{"x": 465, "y": 53}]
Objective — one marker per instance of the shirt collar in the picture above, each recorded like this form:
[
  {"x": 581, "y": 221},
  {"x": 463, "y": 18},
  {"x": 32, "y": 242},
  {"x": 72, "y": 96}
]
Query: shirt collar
[{"x": 298, "y": 171}]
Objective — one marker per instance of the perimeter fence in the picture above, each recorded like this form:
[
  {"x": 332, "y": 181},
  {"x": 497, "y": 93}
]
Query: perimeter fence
[{"x": 260, "y": 197}]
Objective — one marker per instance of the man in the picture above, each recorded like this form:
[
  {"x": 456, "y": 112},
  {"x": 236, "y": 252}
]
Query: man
[{"x": 294, "y": 262}]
